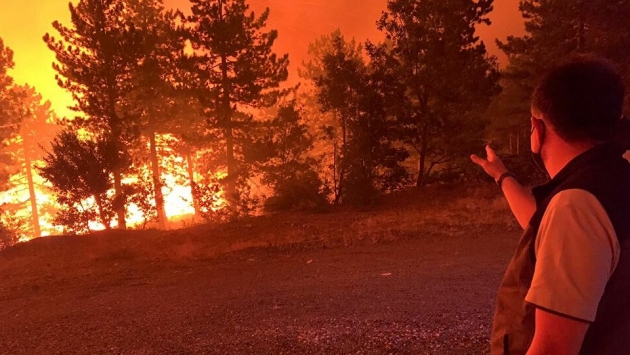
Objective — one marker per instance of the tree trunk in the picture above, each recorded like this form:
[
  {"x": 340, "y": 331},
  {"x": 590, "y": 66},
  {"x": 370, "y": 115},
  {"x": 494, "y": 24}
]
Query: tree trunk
[
  {"x": 86, "y": 220},
  {"x": 342, "y": 162},
  {"x": 157, "y": 183},
  {"x": 422, "y": 163},
  {"x": 226, "y": 112},
  {"x": 33, "y": 197},
  {"x": 231, "y": 164},
  {"x": 120, "y": 201},
  {"x": 116, "y": 134},
  {"x": 336, "y": 181},
  {"x": 334, "y": 166},
  {"x": 101, "y": 214},
  {"x": 231, "y": 193},
  {"x": 191, "y": 178},
  {"x": 420, "y": 171}
]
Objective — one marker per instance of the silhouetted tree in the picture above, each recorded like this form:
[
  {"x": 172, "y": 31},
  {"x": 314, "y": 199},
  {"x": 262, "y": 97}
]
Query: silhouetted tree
[
  {"x": 286, "y": 166},
  {"x": 450, "y": 77},
  {"x": 236, "y": 70},
  {"x": 556, "y": 30},
  {"x": 37, "y": 127},
  {"x": 313, "y": 68},
  {"x": 6, "y": 84},
  {"x": 155, "y": 98},
  {"x": 97, "y": 56},
  {"x": 322, "y": 124},
  {"x": 9, "y": 104},
  {"x": 8, "y": 237},
  {"x": 341, "y": 68},
  {"x": 193, "y": 141},
  {"x": 142, "y": 194},
  {"x": 9, "y": 126},
  {"x": 366, "y": 161},
  {"x": 79, "y": 170}
]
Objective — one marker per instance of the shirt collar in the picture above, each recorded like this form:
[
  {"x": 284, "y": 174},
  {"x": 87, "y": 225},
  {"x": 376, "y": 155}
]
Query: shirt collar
[{"x": 596, "y": 154}]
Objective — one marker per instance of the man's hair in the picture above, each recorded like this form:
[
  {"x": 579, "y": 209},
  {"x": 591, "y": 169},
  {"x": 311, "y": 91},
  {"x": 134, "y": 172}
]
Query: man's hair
[{"x": 582, "y": 99}]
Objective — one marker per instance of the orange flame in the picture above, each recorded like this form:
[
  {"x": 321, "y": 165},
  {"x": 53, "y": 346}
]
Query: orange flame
[{"x": 178, "y": 199}]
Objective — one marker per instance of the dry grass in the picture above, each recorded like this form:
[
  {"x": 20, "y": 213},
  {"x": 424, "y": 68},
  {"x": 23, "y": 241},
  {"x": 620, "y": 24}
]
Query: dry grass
[{"x": 434, "y": 212}]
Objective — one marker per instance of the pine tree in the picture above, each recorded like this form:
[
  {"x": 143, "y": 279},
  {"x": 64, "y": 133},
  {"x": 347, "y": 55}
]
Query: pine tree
[
  {"x": 6, "y": 83},
  {"x": 8, "y": 127},
  {"x": 287, "y": 168},
  {"x": 450, "y": 77},
  {"x": 97, "y": 56},
  {"x": 236, "y": 71},
  {"x": 78, "y": 170},
  {"x": 155, "y": 99},
  {"x": 366, "y": 161},
  {"x": 323, "y": 124},
  {"x": 37, "y": 129},
  {"x": 556, "y": 30},
  {"x": 194, "y": 141},
  {"x": 9, "y": 105},
  {"x": 340, "y": 85}
]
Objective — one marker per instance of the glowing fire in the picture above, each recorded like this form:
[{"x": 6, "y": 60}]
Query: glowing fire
[
  {"x": 21, "y": 216},
  {"x": 178, "y": 199}
]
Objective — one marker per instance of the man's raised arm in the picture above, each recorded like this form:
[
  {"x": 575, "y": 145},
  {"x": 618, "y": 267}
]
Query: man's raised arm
[{"x": 520, "y": 199}]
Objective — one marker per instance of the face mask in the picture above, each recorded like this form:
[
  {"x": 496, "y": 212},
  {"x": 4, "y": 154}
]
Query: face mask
[{"x": 537, "y": 157}]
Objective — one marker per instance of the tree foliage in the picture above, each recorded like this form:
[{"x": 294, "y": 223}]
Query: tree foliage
[
  {"x": 235, "y": 71},
  {"x": 287, "y": 167},
  {"x": 9, "y": 105},
  {"x": 97, "y": 56},
  {"x": 449, "y": 76},
  {"x": 150, "y": 84},
  {"x": 80, "y": 170},
  {"x": 555, "y": 30},
  {"x": 157, "y": 99},
  {"x": 38, "y": 125},
  {"x": 365, "y": 159},
  {"x": 8, "y": 237},
  {"x": 7, "y": 96}
]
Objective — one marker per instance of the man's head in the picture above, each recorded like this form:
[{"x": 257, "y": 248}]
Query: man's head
[{"x": 579, "y": 103}]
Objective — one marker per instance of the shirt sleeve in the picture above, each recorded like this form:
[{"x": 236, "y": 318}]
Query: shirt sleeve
[{"x": 576, "y": 253}]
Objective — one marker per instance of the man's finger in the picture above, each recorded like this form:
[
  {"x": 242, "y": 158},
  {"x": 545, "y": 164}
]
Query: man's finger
[
  {"x": 492, "y": 155},
  {"x": 477, "y": 160}
]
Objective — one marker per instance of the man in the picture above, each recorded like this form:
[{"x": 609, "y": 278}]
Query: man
[{"x": 567, "y": 288}]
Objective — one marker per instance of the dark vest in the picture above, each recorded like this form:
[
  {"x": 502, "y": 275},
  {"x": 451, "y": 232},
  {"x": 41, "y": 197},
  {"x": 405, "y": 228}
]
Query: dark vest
[{"x": 603, "y": 172}]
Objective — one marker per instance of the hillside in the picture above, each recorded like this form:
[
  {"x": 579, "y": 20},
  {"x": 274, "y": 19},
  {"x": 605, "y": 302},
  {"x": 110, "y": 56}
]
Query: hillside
[{"x": 415, "y": 275}]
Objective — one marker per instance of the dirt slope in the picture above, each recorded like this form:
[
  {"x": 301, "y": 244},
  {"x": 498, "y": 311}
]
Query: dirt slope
[{"x": 408, "y": 278}]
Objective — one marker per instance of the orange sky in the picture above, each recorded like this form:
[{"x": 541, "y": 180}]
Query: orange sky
[{"x": 24, "y": 22}]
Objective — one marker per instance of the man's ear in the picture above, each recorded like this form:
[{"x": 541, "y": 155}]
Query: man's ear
[
  {"x": 538, "y": 133},
  {"x": 539, "y": 125}
]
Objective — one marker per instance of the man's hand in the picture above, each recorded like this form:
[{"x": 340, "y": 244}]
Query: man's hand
[
  {"x": 520, "y": 199},
  {"x": 493, "y": 166}
]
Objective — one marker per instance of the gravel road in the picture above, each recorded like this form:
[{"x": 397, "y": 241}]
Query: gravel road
[{"x": 429, "y": 295}]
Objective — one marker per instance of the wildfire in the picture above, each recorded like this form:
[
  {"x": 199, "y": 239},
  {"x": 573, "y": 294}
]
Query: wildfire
[
  {"x": 176, "y": 189},
  {"x": 17, "y": 210}
]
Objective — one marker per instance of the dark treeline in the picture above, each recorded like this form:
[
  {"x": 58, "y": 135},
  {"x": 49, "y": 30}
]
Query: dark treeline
[{"x": 151, "y": 84}]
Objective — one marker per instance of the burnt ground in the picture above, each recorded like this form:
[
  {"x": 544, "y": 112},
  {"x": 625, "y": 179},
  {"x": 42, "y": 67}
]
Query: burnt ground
[{"x": 421, "y": 294}]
